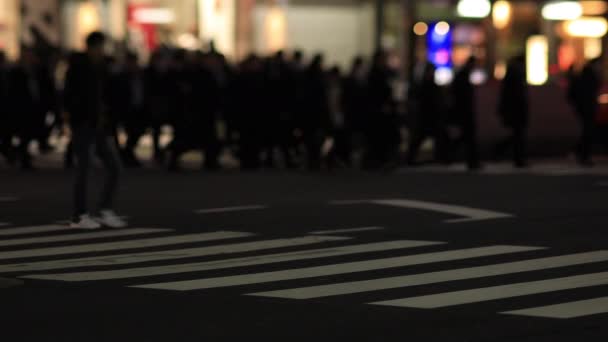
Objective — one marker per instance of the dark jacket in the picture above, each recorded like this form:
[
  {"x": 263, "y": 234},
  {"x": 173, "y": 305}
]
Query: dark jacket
[
  {"x": 513, "y": 104},
  {"x": 86, "y": 92},
  {"x": 30, "y": 96}
]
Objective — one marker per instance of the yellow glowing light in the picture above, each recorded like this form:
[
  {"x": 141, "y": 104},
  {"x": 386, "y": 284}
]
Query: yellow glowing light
[
  {"x": 500, "y": 70},
  {"x": 276, "y": 29},
  {"x": 594, "y": 7},
  {"x": 88, "y": 17},
  {"x": 593, "y": 48},
  {"x": 562, "y": 10},
  {"x": 442, "y": 28},
  {"x": 501, "y": 14},
  {"x": 588, "y": 27},
  {"x": 420, "y": 29},
  {"x": 537, "y": 60}
]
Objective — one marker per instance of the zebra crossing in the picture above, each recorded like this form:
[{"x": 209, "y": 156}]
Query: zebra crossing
[{"x": 150, "y": 258}]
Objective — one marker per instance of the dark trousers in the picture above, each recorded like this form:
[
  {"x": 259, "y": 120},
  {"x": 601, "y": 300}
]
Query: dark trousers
[
  {"x": 469, "y": 138},
  {"x": 85, "y": 140},
  {"x": 6, "y": 142},
  {"x": 585, "y": 144},
  {"x": 515, "y": 143},
  {"x": 435, "y": 130}
]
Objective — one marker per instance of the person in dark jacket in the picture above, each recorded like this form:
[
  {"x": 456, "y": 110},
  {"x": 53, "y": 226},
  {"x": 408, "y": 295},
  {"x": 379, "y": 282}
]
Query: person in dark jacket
[
  {"x": 514, "y": 111},
  {"x": 162, "y": 97},
  {"x": 316, "y": 118},
  {"x": 356, "y": 102},
  {"x": 6, "y": 120},
  {"x": 29, "y": 95},
  {"x": 382, "y": 132},
  {"x": 426, "y": 113},
  {"x": 126, "y": 92},
  {"x": 86, "y": 103},
  {"x": 279, "y": 119},
  {"x": 248, "y": 89},
  {"x": 463, "y": 93},
  {"x": 583, "y": 93}
]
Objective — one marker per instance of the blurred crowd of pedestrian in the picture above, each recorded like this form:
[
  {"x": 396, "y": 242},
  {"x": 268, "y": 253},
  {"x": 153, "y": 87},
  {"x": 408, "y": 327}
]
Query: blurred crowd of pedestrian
[{"x": 285, "y": 110}]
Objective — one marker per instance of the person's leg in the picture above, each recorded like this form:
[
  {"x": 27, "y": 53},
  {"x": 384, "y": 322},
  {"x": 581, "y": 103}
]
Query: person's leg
[
  {"x": 81, "y": 145},
  {"x": 470, "y": 139},
  {"x": 586, "y": 139},
  {"x": 415, "y": 141},
  {"x": 109, "y": 156},
  {"x": 519, "y": 146}
]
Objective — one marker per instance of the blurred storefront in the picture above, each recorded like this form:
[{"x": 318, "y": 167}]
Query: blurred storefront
[
  {"x": 554, "y": 35},
  {"x": 9, "y": 22}
]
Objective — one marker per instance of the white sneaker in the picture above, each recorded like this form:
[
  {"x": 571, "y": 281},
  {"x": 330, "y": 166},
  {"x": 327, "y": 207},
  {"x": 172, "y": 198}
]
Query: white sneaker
[
  {"x": 109, "y": 218},
  {"x": 85, "y": 222}
]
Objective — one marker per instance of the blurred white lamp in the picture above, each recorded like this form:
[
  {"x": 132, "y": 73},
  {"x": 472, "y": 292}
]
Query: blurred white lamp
[
  {"x": 501, "y": 14},
  {"x": 474, "y": 8},
  {"x": 587, "y": 27},
  {"x": 562, "y": 10},
  {"x": 537, "y": 60}
]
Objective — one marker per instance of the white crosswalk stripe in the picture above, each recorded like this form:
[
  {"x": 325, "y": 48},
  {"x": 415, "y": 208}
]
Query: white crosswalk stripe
[
  {"x": 327, "y": 270},
  {"x": 576, "y": 309},
  {"x": 131, "y": 244},
  {"x": 294, "y": 279},
  {"x": 81, "y": 236},
  {"x": 237, "y": 262},
  {"x": 437, "y": 277},
  {"x": 499, "y": 292},
  {"x": 34, "y": 229},
  {"x": 174, "y": 254}
]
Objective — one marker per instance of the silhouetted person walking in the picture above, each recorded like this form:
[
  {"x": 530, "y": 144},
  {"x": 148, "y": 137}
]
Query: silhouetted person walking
[
  {"x": 6, "y": 119},
  {"x": 30, "y": 94},
  {"x": 86, "y": 101},
  {"x": 382, "y": 132},
  {"x": 463, "y": 93},
  {"x": 316, "y": 116},
  {"x": 127, "y": 103},
  {"x": 583, "y": 93},
  {"x": 426, "y": 113},
  {"x": 513, "y": 109}
]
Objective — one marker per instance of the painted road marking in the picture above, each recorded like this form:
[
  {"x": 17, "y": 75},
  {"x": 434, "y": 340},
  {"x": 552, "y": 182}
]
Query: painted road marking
[
  {"x": 470, "y": 214},
  {"x": 327, "y": 270},
  {"x": 8, "y": 199},
  {"x": 130, "y": 244},
  {"x": 566, "y": 310},
  {"x": 33, "y": 230},
  {"x": 231, "y": 209},
  {"x": 236, "y": 262},
  {"x": 346, "y": 231},
  {"x": 67, "y": 222},
  {"x": 436, "y": 277},
  {"x": 499, "y": 292},
  {"x": 82, "y": 236},
  {"x": 133, "y": 258}
]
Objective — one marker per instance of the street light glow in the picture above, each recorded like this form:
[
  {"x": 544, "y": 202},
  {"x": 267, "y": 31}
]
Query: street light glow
[
  {"x": 562, "y": 10},
  {"x": 501, "y": 14},
  {"x": 421, "y": 28},
  {"x": 474, "y": 8},
  {"x": 442, "y": 28},
  {"x": 587, "y": 27},
  {"x": 537, "y": 60}
]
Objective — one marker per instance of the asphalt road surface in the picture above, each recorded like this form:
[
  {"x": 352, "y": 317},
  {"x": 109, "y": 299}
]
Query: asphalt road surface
[{"x": 424, "y": 255}]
